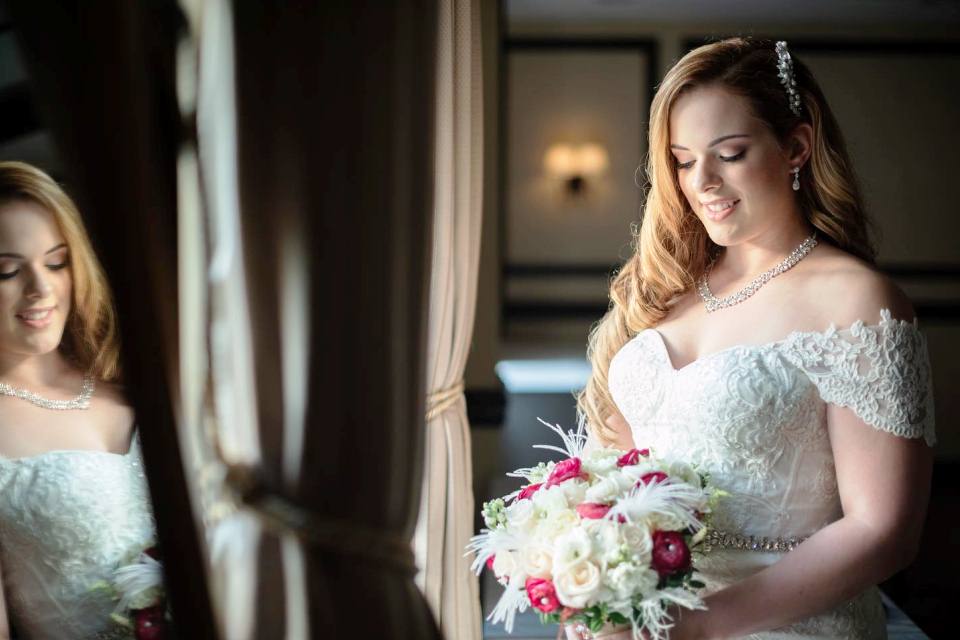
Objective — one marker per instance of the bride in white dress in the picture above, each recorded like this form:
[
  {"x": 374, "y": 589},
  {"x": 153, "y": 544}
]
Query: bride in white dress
[
  {"x": 73, "y": 498},
  {"x": 751, "y": 334}
]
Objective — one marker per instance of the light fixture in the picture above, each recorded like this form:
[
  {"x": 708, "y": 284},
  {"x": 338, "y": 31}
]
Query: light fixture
[{"x": 574, "y": 164}]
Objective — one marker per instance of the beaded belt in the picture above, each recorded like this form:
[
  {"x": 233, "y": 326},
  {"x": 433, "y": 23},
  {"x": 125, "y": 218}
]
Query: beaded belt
[{"x": 727, "y": 540}]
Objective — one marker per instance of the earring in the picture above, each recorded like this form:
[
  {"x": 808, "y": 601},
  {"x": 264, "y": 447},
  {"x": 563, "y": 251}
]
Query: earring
[{"x": 796, "y": 179}]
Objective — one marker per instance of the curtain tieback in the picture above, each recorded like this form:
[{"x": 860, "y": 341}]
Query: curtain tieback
[
  {"x": 280, "y": 515},
  {"x": 442, "y": 399}
]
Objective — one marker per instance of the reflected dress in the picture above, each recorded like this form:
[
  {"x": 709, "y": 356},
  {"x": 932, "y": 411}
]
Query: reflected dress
[
  {"x": 67, "y": 520},
  {"x": 754, "y": 417}
]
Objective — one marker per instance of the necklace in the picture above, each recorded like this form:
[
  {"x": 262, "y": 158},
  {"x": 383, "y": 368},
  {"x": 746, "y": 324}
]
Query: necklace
[
  {"x": 82, "y": 401},
  {"x": 714, "y": 303}
]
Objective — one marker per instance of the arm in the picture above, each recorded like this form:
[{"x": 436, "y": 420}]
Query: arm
[{"x": 884, "y": 485}]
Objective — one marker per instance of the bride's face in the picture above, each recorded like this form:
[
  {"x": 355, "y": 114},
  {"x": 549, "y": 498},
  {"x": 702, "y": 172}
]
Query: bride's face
[
  {"x": 725, "y": 155},
  {"x": 35, "y": 280}
]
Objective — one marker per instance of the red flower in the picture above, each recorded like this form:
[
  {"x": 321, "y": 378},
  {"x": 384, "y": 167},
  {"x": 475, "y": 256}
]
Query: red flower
[
  {"x": 565, "y": 470},
  {"x": 632, "y": 457},
  {"x": 490, "y": 562},
  {"x": 529, "y": 490},
  {"x": 653, "y": 476},
  {"x": 592, "y": 510},
  {"x": 670, "y": 553},
  {"x": 542, "y": 594},
  {"x": 149, "y": 623}
]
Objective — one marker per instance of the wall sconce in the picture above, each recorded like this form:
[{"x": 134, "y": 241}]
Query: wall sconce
[{"x": 574, "y": 164}]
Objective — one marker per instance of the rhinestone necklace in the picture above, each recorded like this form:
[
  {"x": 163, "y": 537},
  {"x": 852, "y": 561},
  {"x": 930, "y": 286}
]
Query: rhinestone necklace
[
  {"x": 714, "y": 303},
  {"x": 82, "y": 401}
]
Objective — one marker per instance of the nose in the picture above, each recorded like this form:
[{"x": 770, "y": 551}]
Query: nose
[
  {"x": 38, "y": 287},
  {"x": 705, "y": 177}
]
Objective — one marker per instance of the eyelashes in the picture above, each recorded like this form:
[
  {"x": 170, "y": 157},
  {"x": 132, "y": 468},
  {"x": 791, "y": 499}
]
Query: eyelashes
[
  {"x": 739, "y": 156},
  {"x": 52, "y": 267}
]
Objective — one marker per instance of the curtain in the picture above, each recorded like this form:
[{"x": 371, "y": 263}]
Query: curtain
[
  {"x": 314, "y": 159},
  {"x": 447, "y": 505}
]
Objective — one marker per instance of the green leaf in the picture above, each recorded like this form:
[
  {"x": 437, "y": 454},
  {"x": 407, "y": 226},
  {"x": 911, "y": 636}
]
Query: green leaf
[
  {"x": 595, "y": 624},
  {"x": 617, "y": 618},
  {"x": 696, "y": 584}
]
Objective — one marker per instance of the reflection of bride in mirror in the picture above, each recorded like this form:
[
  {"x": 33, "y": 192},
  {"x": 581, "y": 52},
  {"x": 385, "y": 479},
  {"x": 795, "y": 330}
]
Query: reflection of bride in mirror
[{"x": 73, "y": 498}]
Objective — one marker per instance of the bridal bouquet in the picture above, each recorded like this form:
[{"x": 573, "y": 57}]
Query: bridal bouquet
[
  {"x": 600, "y": 538},
  {"x": 137, "y": 587}
]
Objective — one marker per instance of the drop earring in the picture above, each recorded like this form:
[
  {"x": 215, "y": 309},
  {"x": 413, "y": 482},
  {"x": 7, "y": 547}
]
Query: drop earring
[{"x": 796, "y": 179}]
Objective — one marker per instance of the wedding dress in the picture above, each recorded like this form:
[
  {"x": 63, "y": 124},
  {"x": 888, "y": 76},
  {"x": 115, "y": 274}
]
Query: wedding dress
[
  {"x": 754, "y": 417},
  {"x": 67, "y": 519}
]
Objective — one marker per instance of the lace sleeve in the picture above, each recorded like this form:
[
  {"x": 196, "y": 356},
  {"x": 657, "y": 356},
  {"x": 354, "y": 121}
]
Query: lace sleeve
[{"x": 881, "y": 372}]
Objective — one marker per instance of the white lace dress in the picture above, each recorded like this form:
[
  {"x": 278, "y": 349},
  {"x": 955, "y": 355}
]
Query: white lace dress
[
  {"x": 754, "y": 416},
  {"x": 67, "y": 519}
]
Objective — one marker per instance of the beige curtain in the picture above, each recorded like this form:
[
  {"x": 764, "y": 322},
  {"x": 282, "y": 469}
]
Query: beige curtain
[
  {"x": 447, "y": 508},
  {"x": 304, "y": 206}
]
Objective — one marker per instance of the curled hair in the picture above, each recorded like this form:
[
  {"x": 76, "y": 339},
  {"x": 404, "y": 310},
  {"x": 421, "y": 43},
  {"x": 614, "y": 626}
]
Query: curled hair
[
  {"x": 90, "y": 339},
  {"x": 672, "y": 248}
]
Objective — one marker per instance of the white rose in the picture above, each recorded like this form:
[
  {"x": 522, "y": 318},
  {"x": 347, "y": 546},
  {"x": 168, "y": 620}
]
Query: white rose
[
  {"x": 520, "y": 513},
  {"x": 606, "y": 539},
  {"x": 538, "y": 561},
  {"x": 577, "y": 584},
  {"x": 574, "y": 491},
  {"x": 627, "y": 580},
  {"x": 551, "y": 500},
  {"x": 551, "y": 526},
  {"x": 638, "y": 540},
  {"x": 572, "y": 547},
  {"x": 504, "y": 564},
  {"x": 601, "y": 462},
  {"x": 603, "y": 491},
  {"x": 684, "y": 472}
]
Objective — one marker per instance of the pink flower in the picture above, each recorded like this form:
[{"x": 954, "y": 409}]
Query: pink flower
[
  {"x": 529, "y": 490},
  {"x": 632, "y": 457},
  {"x": 542, "y": 594},
  {"x": 150, "y": 624},
  {"x": 490, "y": 562},
  {"x": 592, "y": 510},
  {"x": 565, "y": 470},
  {"x": 670, "y": 553},
  {"x": 653, "y": 476}
]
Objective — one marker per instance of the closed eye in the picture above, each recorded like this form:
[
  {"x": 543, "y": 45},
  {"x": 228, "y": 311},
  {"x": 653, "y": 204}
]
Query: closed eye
[
  {"x": 739, "y": 156},
  {"x": 57, "y": 267}
]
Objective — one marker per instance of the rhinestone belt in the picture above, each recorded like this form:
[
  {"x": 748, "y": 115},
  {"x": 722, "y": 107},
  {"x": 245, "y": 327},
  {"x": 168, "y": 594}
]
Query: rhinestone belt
[{"x": 728, "y": 540}]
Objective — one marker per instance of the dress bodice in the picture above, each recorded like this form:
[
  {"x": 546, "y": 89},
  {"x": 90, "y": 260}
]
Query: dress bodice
[
  {"x": 755, "y": 418},
  {"x": 67, "y": 520}
]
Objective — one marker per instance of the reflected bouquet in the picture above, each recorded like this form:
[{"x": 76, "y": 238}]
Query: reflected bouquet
[{"x": 602, "y": 537}]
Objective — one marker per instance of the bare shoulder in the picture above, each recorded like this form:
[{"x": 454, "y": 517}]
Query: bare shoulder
[{"x": 843, "y": 289}]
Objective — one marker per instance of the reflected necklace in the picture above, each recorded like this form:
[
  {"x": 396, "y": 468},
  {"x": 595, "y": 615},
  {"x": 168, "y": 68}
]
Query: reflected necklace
[
  {"x": 714, "y": 303},
  {"x": 82, "y": 401}
]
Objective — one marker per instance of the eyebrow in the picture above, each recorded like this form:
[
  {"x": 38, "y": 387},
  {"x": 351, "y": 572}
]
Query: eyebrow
[
  {"x": 717, "y": 141},
  {"x": 62, "y": 245}
]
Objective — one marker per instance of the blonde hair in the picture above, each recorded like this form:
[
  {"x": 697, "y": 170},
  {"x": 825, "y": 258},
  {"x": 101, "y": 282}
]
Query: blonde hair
[
  {"x": 672, "y": 247},
  {"x": 91, "y": 337}
]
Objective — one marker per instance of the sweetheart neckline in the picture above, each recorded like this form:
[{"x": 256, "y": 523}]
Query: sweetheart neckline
[
  {"x": 885, "y": 319},
  {"x": 43, "y": 454}
]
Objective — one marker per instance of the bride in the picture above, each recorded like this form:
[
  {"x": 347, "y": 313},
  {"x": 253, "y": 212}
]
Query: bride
[
  {"x": 752, "y": 334},
  {"x": 73, "y": 498}
]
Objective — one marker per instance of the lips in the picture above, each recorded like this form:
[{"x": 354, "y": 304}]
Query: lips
[
  {"x": 719, "y": 209},
  {"x": 36, "y": 318}
]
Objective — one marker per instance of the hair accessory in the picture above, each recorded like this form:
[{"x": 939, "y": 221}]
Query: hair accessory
[
  {"x": 796, "y": 179},
  {"x": 785, "y": 66}
]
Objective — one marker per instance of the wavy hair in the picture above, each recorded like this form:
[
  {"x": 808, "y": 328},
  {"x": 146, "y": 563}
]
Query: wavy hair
[
  {"x": 672, "y": 248},
  {"x": 91, "y": 337}
]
